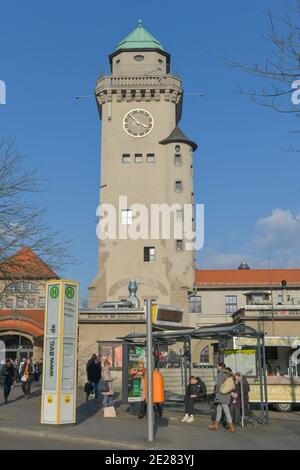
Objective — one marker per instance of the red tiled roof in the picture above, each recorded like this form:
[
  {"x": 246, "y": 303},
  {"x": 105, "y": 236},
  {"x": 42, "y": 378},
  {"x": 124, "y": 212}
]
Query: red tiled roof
[
  {"x": 26, "y": 264},
  {"x": 246, "y": 277}
]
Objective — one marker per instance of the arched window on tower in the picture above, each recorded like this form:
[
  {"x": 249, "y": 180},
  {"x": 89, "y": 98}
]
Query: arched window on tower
[{"x": 204, "y": 355}]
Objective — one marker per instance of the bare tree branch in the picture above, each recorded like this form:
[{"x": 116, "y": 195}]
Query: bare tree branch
[{"x": 22, "y": 224}]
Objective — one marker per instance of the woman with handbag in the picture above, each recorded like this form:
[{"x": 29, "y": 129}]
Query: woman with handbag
[
  {"x": 224, "y": 386},
  {"x": 108, "y": 397},
  {"x": 27, "y": 372}
]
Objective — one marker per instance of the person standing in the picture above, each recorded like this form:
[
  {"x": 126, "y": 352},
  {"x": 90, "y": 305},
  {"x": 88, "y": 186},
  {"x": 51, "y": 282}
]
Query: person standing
[
  {"x": 223, "y": 400},
  {"x": 108, "y": 397},
  {"x": 236, "y": 403},
  {"x": 27, "y": 373},
  {"x": 9, "y": 374},
  {"x": 94, "y": 376}
]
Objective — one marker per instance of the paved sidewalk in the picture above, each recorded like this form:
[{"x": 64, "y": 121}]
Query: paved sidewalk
[{"x": 22, "y": 417}]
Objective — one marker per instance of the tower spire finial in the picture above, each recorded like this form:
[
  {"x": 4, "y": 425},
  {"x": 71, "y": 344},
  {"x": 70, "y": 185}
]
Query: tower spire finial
[{"x": 140, "y": 23}]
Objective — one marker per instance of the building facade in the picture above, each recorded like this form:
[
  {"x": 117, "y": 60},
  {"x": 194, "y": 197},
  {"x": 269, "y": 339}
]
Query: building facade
[
  {"x": 224, "y": 296},
  {"x": 22, "y": 304},
  {"x": 146, "y": 159}
]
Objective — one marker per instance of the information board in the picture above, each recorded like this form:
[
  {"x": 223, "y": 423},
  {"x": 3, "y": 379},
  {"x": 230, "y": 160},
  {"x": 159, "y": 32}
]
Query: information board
[
  {"x": 60, "y": 353},
  {"x": 136, "y": 372},
  {"x": 241, "y": 360}
]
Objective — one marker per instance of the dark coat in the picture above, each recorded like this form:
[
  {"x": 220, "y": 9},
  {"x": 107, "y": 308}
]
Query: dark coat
[
  {"x": 9, "y": 374},
  {"x": 193, "y": 389},
  {"x": 246, "y": 390},
  {"x": 94, "y": 372}
]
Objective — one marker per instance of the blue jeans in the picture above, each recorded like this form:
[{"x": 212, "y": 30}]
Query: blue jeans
[
  {"x": 6, "y": 390},
  {"x": 107, "y": 400},
  {"x": 96, "y": 389}
]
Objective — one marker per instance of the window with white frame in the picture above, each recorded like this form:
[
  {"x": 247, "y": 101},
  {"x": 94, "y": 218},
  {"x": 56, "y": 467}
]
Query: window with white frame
[
  {"x": 178, "y": 186},
  {"x": 20, "y": 302},
  {"x": 9, "y": 304},
  {"x": 179, "y": 245},
  {"x": 31, "y": 303},
  {"x": 149, "y": 254},
  {"x": 150, "y": 158},
  {"x": 42, "y": 302},
  {"x": 126, "y": 217},
  {"x": 126, "y": 158},
  {"x": 231, "y": 303},
  {"x": 138, "y": 158},
  {"x": 195, "y": 304}
]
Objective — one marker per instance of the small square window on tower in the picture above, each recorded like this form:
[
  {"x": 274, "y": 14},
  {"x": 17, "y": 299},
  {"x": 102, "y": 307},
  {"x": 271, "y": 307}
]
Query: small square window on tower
[
  {"x": 126, "y": 217},
  {"x": 179, "y": 245},
  {"x": 178, "y": 186},
  {"x": 138, "y": 158},
  {"x": 126, "y": 158},
  {"x": 149, "y": 254},
  {"x": 178, "y": 159},
  {"x": 150, "y": 158}
]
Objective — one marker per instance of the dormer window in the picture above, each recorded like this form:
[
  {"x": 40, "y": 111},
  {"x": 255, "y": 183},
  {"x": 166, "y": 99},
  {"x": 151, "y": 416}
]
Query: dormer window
[{"x": 139, "y": 58}]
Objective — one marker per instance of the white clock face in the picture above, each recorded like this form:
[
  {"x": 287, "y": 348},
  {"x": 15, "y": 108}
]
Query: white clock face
[{"x": 138, "y": 123}]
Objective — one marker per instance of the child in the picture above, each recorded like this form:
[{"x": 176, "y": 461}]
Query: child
[{"x": 191, "y": 396}]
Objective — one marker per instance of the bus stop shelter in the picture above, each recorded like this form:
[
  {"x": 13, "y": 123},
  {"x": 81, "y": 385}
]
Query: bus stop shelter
[{"x": 220, "y": 334}]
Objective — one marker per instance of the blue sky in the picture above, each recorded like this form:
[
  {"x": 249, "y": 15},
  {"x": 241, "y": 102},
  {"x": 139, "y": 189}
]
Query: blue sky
[{"x": 52, "y": 51}]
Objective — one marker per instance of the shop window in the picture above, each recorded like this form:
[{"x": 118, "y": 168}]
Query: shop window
[{"x": 113, "y": 352}]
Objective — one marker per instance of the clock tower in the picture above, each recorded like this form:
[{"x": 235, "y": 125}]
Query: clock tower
[{"x": 146, "y": 159}]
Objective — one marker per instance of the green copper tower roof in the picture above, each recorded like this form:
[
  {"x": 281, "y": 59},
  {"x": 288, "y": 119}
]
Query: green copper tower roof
[{"x": 140, "y": 39}]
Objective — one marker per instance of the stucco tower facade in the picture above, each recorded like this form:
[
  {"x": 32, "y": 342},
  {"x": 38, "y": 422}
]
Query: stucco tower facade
[{"x": 146, "y": 158}]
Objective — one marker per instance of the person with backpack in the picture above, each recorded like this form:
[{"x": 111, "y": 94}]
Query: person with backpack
[
  {"x": 192, "y": 394},
  {"x": 223, "y": 388}
]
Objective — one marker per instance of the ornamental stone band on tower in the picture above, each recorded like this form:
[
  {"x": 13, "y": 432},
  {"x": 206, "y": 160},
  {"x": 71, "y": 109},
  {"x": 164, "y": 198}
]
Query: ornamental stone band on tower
[{"x": 147, "y": 158}]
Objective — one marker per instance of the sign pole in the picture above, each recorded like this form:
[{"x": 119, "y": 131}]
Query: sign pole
[
  {"x": 150, "y": 414},
  {"x": 242, "y": 401}
]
